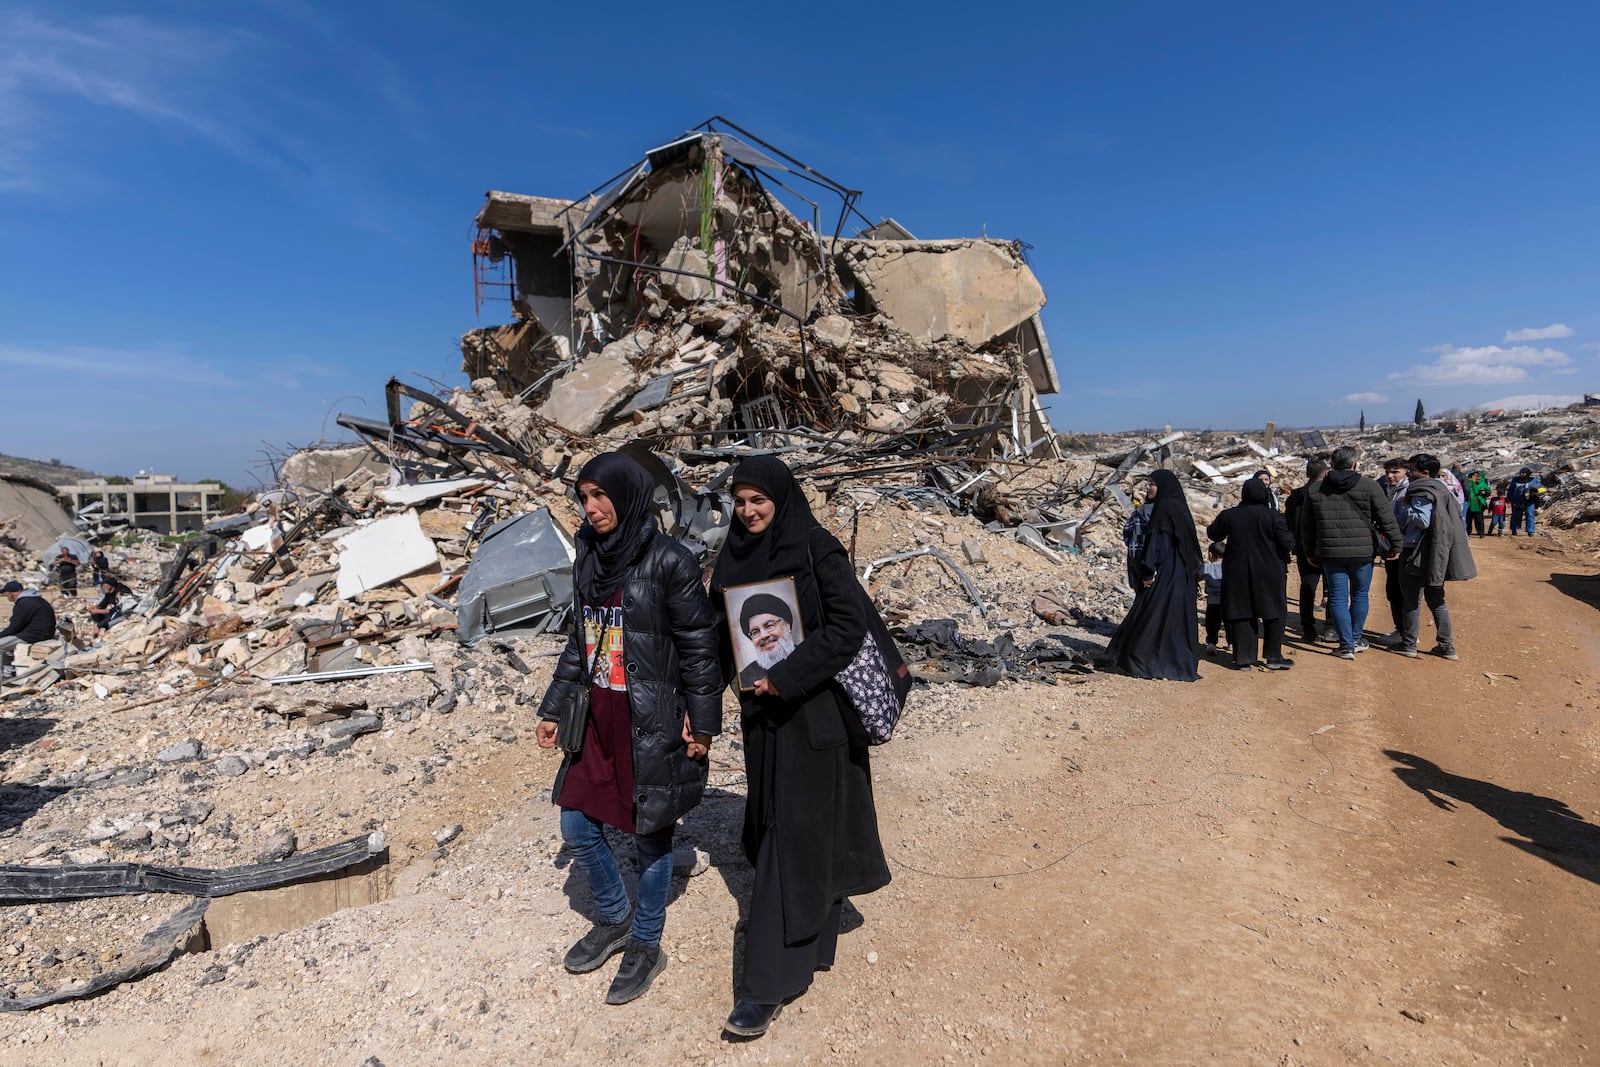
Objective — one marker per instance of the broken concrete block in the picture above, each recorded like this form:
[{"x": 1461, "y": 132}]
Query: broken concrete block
[
  {"x": 580, "y": 400},
  {"x": 355, "y": 726},
  {"x": 231, "y": 766},
  {"x": 183, "y": 750},
  {"x": 235, "y": 651},
  {"x": 381, "y": 552},
  {"x": 974, "y": 290},
  {"x": 423, "y": 492},
  {"x": 683, "y": 256},
  {"x": 832, "y": 330}
]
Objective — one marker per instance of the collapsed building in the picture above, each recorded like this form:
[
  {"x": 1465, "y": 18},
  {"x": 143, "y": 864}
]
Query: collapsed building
[{"x": 684, "y": 304}]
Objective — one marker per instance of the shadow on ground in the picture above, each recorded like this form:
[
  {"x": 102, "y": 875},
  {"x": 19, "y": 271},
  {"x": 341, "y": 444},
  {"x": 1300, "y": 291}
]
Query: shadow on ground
[
  {"x": 1581, "y": 587},
  {"x": 1547, "y": 827}
]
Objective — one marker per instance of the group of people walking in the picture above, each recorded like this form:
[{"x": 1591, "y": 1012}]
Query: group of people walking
[
  {"x": 1333, "y": 527},
  {"x": 651, "y": 652}
]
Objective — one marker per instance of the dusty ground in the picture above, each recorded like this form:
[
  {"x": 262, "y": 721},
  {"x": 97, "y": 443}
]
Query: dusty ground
[{"x": 1352, "y": 862}]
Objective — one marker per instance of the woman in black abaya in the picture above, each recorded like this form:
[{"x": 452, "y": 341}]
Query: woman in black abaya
[
  {"x": 810, "y": 827},
  {"x": 1254, "y": 573},
  {"x": 1160, "y": 637}
]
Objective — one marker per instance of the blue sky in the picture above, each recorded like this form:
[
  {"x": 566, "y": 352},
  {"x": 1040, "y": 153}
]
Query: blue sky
[{"x": 221, "y": 223}]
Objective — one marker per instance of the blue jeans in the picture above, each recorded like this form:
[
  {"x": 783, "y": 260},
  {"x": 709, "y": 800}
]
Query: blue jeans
[
  {"x": 586, "y": 837},
  {"x": 1532, "y": 508},
  {"x": 1348, "y": 580}
]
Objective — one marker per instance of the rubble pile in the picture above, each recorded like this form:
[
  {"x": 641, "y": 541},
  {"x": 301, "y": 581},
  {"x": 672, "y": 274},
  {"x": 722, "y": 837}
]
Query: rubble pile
[
  {"x": 687, "y": 306},
  {"x": 361, "y": 649}
]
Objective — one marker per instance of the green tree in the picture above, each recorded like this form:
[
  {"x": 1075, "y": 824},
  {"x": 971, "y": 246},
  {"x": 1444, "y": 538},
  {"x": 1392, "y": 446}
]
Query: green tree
[
  {"x": 1420, "y": 415},
  {"x": 232, "y": 499}
]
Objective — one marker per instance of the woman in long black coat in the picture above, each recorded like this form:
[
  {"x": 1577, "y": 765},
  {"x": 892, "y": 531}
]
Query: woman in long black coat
[
  {"x": 1254, "y": 573},
  {"x": 810, "y": 826},
  {"x": 1160, "y": 637}
]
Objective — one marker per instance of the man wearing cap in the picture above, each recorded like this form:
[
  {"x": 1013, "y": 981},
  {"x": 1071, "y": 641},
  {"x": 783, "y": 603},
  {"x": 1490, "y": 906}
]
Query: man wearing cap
[
  {"x": 769, "y": 624},
  {"x": 1526, "y": 489},
  {"x": 32, "y": 620}
]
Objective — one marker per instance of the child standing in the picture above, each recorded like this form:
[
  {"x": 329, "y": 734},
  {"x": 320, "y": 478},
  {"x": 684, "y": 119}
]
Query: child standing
[
  {"x": 1211, "y": 575},
  {"x": 1497, "y": 515}
]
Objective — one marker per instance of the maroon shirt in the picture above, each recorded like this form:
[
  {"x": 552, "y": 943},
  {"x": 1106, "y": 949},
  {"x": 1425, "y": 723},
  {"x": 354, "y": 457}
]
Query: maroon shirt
[{"x": 599, "y": 779}]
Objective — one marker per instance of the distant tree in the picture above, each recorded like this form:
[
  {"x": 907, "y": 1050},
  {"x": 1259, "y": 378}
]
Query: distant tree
[
  {"x": 1420, "y": 415},
  {"x": 1363, "y": 421},
  {"x": 117, "y": 479},
  {"x": 232, "y": 499}
]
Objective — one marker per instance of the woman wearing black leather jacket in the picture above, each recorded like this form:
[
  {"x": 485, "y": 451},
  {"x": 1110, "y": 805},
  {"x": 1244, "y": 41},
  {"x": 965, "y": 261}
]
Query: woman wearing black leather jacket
[{"x": 644, "y": 642}]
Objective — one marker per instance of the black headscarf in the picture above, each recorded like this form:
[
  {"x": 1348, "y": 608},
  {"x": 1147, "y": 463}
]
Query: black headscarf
[
  {"x": 603, "y": 567},
  {"x": 783, "y": 548},
  {"x": 1171, "y": 515},
  {"x": 1254, "y": 491}
]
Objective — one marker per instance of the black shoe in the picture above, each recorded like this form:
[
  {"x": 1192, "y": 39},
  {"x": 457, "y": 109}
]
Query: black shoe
[
  {"x": 598, "y": 945},
  {"x": 1279, "y": 664},
  {"x": 640, "y": 965},
  {"x": 749, "y": 1019}
]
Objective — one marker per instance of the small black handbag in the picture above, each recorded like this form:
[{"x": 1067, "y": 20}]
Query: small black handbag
[
  {"x": 574, "y": 720},
  {"x": 575, "y": 712}
]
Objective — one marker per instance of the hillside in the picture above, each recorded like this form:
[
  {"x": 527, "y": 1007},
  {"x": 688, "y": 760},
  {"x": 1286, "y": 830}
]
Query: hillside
[{"x": 51, "y": 471}]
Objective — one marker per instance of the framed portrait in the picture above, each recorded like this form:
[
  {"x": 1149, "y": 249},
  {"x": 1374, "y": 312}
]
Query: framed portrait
[{"x": 764, "y": 625}]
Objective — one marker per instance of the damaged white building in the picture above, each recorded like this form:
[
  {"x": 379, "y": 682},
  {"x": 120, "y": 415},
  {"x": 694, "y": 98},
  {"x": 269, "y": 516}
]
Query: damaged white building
[{"x": 685, "y": 304}]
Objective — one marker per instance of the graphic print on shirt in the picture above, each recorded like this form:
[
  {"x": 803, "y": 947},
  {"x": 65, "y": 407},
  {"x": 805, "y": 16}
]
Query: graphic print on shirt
[{"x": 602, "y": 643}]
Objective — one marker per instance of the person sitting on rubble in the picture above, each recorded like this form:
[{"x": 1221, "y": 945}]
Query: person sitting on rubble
[
  {"x": 644, "y": 643},
  {"x": 1160, "y": 636},
  {"x": 109, "y": 610},
  {"x": 66, "y": 568},
  {"x": 32, "y": 620}
]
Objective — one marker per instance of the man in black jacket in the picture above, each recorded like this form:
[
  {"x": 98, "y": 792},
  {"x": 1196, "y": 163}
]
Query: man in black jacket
[
  {"x": 1343, "y": 514},
  {"x": 32, "y": 619}
]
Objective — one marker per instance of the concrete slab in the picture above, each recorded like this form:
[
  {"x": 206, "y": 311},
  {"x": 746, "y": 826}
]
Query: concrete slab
[
  {"x": 422, "y": 492},
  {"x": 580, "y": 399},
  {"x": 378, "y": 553},
  {"x": 973, "y": 290}
]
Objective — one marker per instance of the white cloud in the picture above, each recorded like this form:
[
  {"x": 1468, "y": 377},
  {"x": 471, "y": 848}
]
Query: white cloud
[
  {"x": 121, "y": 63},
  {"x": 1530, "y": 402},
  {"x": 1366, "y": 398},
  {"x": 1485, "y": 365},
  {"x": 98, "y": 363},
  {"x": 1540, "y": 333}
]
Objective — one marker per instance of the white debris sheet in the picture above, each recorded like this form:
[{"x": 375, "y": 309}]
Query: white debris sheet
[{"x": 380, "y": 552}]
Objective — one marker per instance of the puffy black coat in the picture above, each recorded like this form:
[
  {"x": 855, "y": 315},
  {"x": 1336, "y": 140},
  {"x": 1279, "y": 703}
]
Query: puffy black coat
[
  {"x": 670, "y": 651},
  {"x": 1341, "y": 513}
]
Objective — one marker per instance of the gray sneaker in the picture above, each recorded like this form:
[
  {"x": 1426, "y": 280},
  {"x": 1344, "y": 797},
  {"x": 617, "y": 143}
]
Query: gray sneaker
[
  {"x": 1345, "y": 653},
  {"x": 1444, "y": 653},
  {"x": 1408, "y": 651},
  {"x": 640, "y": 965},
  {"x": 1361, "y": 644}
]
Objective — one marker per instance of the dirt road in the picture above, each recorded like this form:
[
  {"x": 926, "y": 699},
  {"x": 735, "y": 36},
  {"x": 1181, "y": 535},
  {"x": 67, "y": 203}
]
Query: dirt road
[{"x": 1384, "y": 861}]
